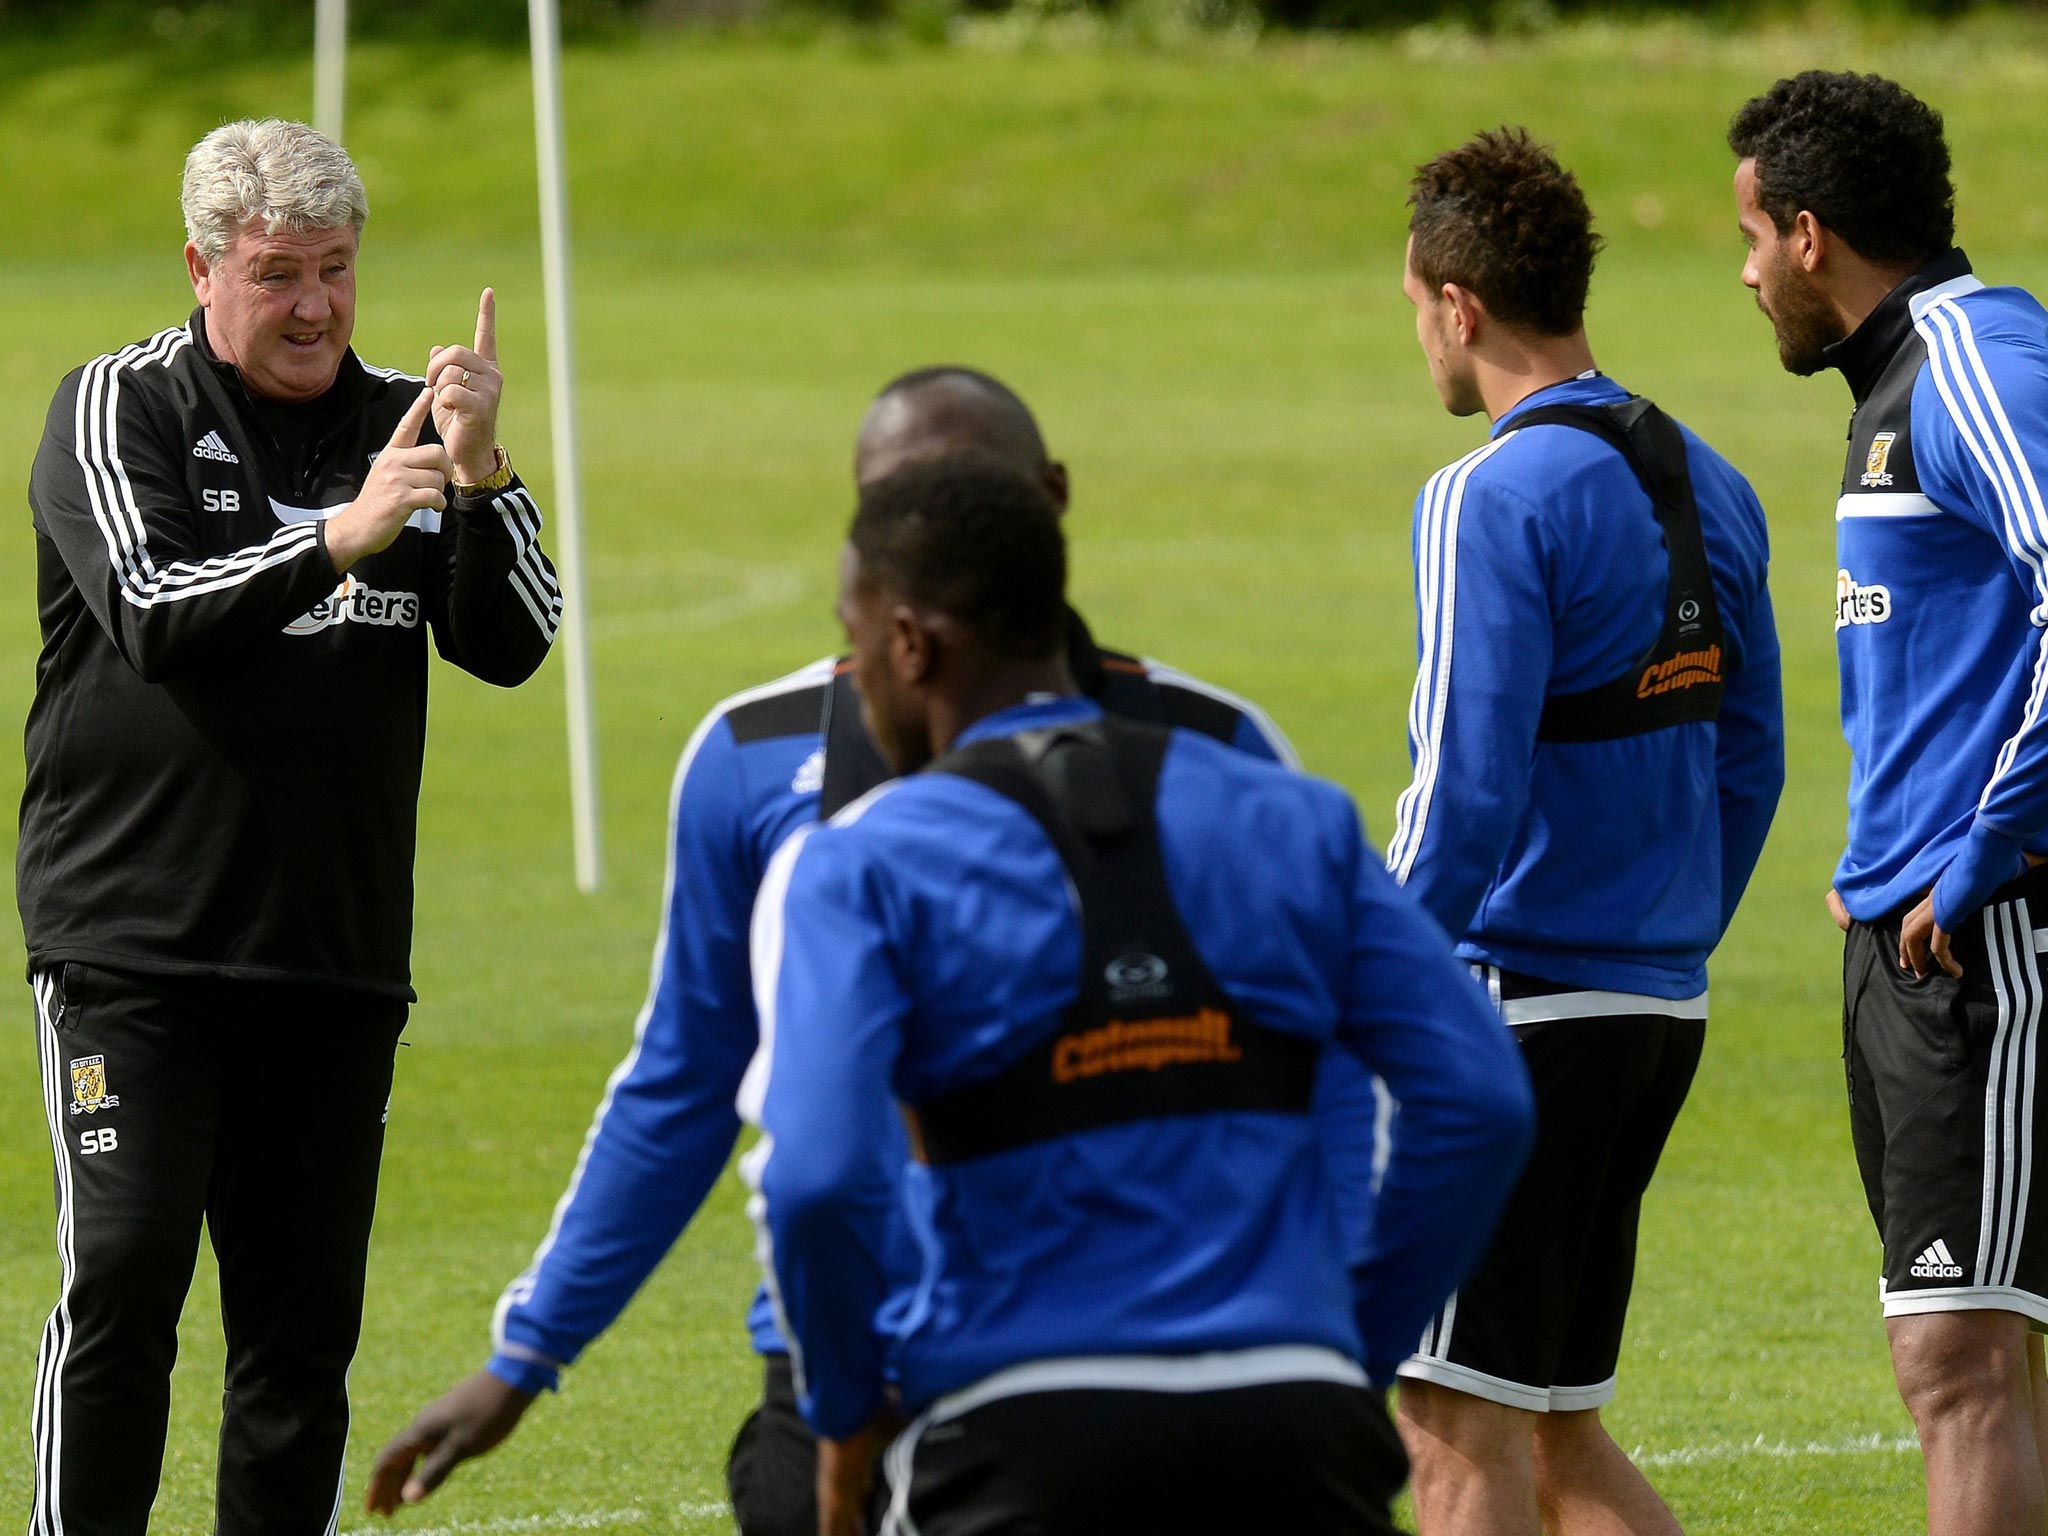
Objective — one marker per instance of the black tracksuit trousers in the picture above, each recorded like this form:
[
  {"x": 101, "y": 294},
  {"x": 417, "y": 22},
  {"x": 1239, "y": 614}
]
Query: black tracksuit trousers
[{"x": 258, "y": 1109}]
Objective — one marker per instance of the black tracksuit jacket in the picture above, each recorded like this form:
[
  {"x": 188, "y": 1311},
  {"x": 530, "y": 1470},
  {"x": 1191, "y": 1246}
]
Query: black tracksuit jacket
[{"x": 224, "y": 748}]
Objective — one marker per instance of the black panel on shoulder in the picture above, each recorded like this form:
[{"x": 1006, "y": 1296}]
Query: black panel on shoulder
[
  {"x": 1880, "y": 433},
  {"x": 1193, "y": 710},
  {"x": 853, "y": 763},
  {"x": 794, "y": 713}
]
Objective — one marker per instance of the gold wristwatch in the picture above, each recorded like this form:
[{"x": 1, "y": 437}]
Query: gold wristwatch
[{"x": 496, "y": 480}]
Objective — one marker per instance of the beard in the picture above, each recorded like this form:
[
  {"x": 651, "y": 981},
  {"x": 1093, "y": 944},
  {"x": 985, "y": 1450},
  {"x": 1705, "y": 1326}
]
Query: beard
[{"x": 1805, "y": 323}]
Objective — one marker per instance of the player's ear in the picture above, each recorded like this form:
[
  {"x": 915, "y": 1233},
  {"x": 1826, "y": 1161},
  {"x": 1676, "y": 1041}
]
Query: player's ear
[
  {"x": 200, "y": 271},
  {"x": 913, "y": 649},
  {"x": 1054, "y": 479},
  {"x": 1807, "y": 241},
  {"x": 1466, "y": 312}
]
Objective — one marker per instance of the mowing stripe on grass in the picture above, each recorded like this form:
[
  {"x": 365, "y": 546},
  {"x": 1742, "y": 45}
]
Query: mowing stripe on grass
[
  {"x": 1738, "y": 1450},
  {"x": 561, "y": 1520}
]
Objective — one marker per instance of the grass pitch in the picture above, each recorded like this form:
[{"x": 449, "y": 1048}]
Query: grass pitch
[{"x": 1188, "y": 259}]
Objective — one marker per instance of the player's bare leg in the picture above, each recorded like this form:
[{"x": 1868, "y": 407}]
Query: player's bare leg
[
  {"x": 2037, "y": 1375},
  {"x": 1968, "y": 1380},
  {"x": 1472, "y": 1468},
  {"x": 1587, "y": 1486}
]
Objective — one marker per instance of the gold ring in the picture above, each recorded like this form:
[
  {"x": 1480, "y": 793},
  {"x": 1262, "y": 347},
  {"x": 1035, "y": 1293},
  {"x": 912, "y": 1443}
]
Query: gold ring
[{"x": 465, "y": 375}]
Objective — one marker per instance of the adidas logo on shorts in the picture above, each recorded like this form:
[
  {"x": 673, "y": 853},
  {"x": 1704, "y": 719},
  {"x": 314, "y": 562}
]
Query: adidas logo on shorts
[
  {"x": 1937, "y": 1263},
  {"x": 214, "y": 446}
]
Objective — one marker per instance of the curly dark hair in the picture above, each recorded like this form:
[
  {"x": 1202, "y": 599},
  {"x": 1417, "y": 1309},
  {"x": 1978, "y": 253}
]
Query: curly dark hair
[
  {"x": 1861, "y": 153},
  {"x": 1501, "y": 217},
  {"x": 970, "y": 536}
]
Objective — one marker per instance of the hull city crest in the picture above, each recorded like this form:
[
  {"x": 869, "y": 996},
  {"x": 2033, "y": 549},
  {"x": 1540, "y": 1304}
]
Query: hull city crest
[{"x": 89, "y": 1087}]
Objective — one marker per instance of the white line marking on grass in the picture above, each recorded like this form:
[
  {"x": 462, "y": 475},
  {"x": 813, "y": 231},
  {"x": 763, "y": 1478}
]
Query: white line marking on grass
[
  {"x": 511, "y": 1525},
  {"x": 648, "y": 600},
  {"x": 507, "y": 1524},
  {"x": 1739, "y": 1450}
]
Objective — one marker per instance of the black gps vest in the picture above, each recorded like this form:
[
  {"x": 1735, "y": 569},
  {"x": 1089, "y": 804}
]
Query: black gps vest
[
  {"x": 1151, "y": 1033},
  {"x": 1680, "y": 677}
]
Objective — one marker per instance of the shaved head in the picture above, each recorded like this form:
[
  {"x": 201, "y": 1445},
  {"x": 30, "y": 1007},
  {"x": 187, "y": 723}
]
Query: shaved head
[{"x": 937, "y": 413}]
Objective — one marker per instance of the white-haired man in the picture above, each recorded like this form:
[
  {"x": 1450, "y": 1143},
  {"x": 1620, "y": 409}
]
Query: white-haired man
[{"x": 243, "y": 535}]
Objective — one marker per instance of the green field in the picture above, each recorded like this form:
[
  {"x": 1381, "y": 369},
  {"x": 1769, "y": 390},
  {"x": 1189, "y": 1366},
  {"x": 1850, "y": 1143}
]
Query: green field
[{"x": 1188, "y": 258}]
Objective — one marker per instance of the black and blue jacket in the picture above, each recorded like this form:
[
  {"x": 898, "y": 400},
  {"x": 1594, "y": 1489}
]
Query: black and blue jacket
[
  {"x": 929, "y": 938},
  {"x": 753, "y": 772},
  {"x": 1941, "y": 593},
  {"x": 1608, "y": 865}
]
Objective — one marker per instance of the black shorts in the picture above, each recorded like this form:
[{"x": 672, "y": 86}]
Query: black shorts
[
  {"x": 771, "y": 1474},
  {"x": 1305, "y": 1457},
  {"x": 1538, "y": 1325},
  {"x": 1946, "y": 1110}
]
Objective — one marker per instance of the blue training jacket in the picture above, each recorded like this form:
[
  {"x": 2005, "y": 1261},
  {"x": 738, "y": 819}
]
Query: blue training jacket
[
  {"x": 1941, "y": 593},
  {"x": 749, "y": 777},
  {"x": 927, "y": 937},
  {"x": 1540, "y": 570}
]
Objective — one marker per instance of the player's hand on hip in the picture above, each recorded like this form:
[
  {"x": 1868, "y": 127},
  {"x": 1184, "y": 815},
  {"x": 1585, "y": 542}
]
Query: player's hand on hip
[
  {"x": 471, "y": 1418},
  {"x": 408, "y": 477},
  {"x": 467, "y": 386},
  {"x": 846, "y": 1475},
  {"x": 1836, "y": 910},
  {"x": 1923, "y": 944}
]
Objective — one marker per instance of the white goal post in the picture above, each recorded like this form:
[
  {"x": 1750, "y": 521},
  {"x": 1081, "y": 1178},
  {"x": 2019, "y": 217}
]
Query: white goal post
[{"x": 330, "y": 65}]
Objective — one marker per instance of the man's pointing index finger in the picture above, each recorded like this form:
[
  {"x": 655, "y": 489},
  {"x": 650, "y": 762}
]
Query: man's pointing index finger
[
  {"x": 407, "y": 433},
  {"x": 487, "y": 327}
]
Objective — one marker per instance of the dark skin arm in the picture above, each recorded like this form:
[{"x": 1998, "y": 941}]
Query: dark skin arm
[
  {"x": 846, "y": 1475},
  {"x": 472, "y": 1417}
]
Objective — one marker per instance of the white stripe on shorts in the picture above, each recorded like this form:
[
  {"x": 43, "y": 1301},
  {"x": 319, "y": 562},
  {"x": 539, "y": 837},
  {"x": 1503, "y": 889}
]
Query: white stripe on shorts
[{"x": 2009, "y": 1094}]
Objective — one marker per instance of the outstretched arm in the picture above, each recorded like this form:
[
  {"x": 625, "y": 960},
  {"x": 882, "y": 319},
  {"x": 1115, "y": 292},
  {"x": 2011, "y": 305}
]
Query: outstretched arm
[{"x": 660, "y": 1138}]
